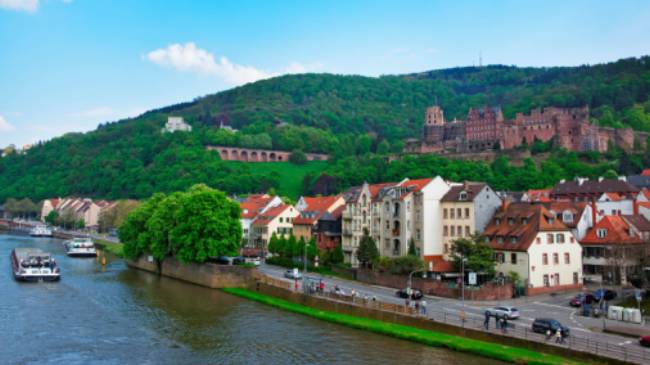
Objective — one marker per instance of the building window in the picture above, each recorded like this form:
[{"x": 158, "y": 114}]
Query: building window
[
  {"x": 557, "y": 280},
  {"x": 446, "y": 248},
  {"x": 575, "y": 278},
  {"x": 499, "y": 239},
  {"x": 460, "y": 231},
  {"x": 560, "y": 238},
  {"x": 538, "y": 240},
  {"x": 513, "y": 258},
  {"x": 547, "y": 283},
  {"x": 567, "y": 258},
  {"x": 556, "y": 259},
  {"x": 549, "y": 238},
  {"x": 572, "y": 240},
  {"x": 459, "y": 213},
  {"x": 452, "y": 213},
  {"x": 417, "y": 233},
  {"x": 497, "y": 221},
  {"x": 545, "y": 259},
  {"x": 444, "y": 213},
  {"x": 601, "y": 232},
  {"x": 445, "y": 231},
  {"x": 511, "y": 221},
  {"x": 466, "y": 213},
  {"x": 467, "y": 231},
  {"x": 513, "y": 239},
  {"x": 280, "y": 219}
]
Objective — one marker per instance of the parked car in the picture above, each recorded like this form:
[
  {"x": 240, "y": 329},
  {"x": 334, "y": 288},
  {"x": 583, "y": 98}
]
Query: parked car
[
  {"x": 644, "y": 341},
  {"x": 507, "y": 311},
  {"x": 541, "y": 325},
  {"x": 257, "y": 261},
  {"x": 415, "y": 294},
  {"x": 293, "y": 274},
  {"x": 238, "y": 260},
  {"x": 222, "y": 260},
  {"x": 607, "y": 294},
  {"x": 581, "y": 298}
]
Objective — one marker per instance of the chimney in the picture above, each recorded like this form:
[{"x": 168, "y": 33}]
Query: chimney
[
  {"x": 505, "y": 202},
  {"x": 593, "y": 212}
]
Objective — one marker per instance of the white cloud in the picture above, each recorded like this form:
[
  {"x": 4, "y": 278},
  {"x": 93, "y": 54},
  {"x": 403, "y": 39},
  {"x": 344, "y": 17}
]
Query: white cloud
[
  {"x": 188, "y": 57},
  {"x": 5, "y": 126},
  {"x": 20, "y": 5}
]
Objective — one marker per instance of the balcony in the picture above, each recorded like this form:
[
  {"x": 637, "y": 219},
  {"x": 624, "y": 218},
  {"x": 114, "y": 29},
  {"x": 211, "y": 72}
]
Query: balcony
[
  {"x": 396, "y": 232},
  {"x": 347, "y": 232}
]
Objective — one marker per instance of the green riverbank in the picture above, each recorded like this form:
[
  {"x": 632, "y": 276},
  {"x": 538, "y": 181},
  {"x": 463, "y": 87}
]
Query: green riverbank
[
  {"x": 114, "y": 248},
  {"x": 430, "y": 338}
]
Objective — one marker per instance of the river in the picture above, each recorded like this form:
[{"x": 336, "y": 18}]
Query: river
[{"x": 117, "y": 315}]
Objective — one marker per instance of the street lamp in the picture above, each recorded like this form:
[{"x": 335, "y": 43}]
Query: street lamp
[
  {"x": 462, "y": 279},
  {"x": 408, "y": 284}
]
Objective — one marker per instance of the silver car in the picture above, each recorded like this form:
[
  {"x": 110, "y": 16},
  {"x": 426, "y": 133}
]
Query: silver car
[{"x": 501, "y": 311}]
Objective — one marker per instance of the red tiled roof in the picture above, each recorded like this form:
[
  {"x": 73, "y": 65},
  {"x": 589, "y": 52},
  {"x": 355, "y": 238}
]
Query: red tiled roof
[
  {"x": 375, "y": 188},
  {"x": 251, "y": 207},
  {"x": 614, "y": 197},
  {"x": 268, "y": 216},
  {"x": 322, "y": 203},
  {"x": 540, "y": 195},
  {"x": 523, "y": 221},
  {"x": 414, "y": 185},
  {"x": 618, "y": 233},
  {"x": 560, "y": 206},
  {"x": 471, "y": 188},
  {"x": 645, "y": 172},
  {"x": 646, "y": 193},
  {"x": 645, "y": 204},
  {"x": 439, "y": 264}
]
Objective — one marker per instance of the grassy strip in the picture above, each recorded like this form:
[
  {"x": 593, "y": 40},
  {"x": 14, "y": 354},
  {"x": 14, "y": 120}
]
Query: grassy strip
[
  {"x": 114, "y": 248},
  {"x": 431, "y": 338}
]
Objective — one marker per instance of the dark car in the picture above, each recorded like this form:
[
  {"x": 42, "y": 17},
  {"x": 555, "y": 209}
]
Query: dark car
[
  {"x": 606, "y": 294},
  {"x": 644, "y": 341},
  {"x": 581, "y": 298},
  {"x": 221, "y": 260},
  {"x": 239, "y": 260},
  {"x": 542, "y": 325},
  {"x": 415, "y": 294}
]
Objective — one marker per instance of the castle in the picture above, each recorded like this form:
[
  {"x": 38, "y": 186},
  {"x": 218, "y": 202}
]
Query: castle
[{"x": 487, "y": 129}]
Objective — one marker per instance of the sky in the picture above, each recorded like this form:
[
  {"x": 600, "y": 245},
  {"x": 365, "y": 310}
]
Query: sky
[{"x": 68, "y": 65}]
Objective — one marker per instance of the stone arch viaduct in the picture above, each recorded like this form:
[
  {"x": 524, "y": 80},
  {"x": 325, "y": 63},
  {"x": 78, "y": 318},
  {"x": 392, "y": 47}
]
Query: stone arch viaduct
[{"x": 259, "y": 155}]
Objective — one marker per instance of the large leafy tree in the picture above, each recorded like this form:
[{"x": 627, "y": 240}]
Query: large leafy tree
[
  {"x": 133, "y": 232},
  {"x": 478, "y": 254},
  {"x": 207, "y": 225}
]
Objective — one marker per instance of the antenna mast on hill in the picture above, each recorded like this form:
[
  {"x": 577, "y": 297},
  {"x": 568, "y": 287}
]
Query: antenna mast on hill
[{"x": 480, "y": 59}]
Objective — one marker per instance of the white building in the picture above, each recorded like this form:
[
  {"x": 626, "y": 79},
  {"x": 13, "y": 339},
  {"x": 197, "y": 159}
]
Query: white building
[
  {"x": 176, "y": 124},
  {"x": 253, "y": 206},
  {"x": 614, "y": 204},
  {"x": 529, "y": 240}
]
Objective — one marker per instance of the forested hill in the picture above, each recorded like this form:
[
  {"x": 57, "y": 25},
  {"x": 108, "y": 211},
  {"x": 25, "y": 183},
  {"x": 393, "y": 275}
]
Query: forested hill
[{"x": 341, "y": 115}]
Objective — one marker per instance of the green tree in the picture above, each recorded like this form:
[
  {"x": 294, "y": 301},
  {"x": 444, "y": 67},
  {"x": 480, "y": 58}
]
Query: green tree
[
  {"x": 298, "y": 157},
  {"x": 367, "y": 251},
  {"x": 273, "y": 244},
  {"x": 336, "y": 256},
  {"x": 293, "y": 247},
  {"x": 312, "y": 249},
  {"x": 383, "y": 148},
  {"x": 412, "y": 251},
  {"x": 476, "y": 251},
  {"x": 207, "y": 225},
  {"x": 133, "y": 232},
  {"x": 52, "y": 218},
  {"x": 160, "y": 224}
]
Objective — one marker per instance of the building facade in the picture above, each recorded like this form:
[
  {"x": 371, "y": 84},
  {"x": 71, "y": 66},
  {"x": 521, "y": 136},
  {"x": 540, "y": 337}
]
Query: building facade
[
  {"x": 277, "y": 220},
  {"x": 528, "y": 239},
  {"x": 466, "y": 210}
]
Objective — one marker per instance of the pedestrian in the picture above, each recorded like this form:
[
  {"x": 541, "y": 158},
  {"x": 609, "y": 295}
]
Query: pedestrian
[
  {"x": 295, "y": 285},
  {"x": 417, "y": 307},
  {"x": 558, "y": 336},
  {"x": 322, "y": 286},
  {"x": 424, "y": 307},
  {"x": 505, "y": 324},
  {"x": 497, "y": 321},
  {"x": 486, "y": 322},
  {"x": 548, "y": 334}
]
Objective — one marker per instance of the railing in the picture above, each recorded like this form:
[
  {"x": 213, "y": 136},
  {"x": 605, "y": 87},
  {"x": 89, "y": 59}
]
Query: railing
[{"x": 472, "y": 321}]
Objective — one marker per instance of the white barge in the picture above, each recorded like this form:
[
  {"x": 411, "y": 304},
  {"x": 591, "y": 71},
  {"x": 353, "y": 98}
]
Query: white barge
[{"x": 33, "y": 264}]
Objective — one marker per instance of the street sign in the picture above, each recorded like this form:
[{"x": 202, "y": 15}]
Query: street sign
[
  {"x": 472, "y": 278},
  {"x": 637, "y": 295}
]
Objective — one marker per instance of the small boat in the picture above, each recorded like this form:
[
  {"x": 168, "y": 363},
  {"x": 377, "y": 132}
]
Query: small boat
[
  {"x": 33, "y": 264},
  {"x": 80, "y": 247},
  {"x": 41, "y": 231}
]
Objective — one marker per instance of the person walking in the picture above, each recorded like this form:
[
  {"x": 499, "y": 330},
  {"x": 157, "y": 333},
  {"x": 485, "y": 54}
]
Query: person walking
[
  {"x": 558, "y": 336},
  {"x": 417, "y": 307},
  {"x": 505, "y": 324},
  {"x": 424, "y": 308},
  {"x": 486, "y": 322},
  {"x": 497, "y": 321}
]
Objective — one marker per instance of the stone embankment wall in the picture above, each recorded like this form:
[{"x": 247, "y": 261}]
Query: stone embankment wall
[
  {"x": 437, "y": 288},
  {"x": 207, "y": 274}
]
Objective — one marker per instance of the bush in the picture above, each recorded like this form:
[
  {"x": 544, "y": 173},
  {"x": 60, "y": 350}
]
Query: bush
[{"x": 298, "y": 157}]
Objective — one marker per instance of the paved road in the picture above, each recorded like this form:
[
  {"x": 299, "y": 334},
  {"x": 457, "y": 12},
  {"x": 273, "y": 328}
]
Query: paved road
[{"x": 530, "y": 308}]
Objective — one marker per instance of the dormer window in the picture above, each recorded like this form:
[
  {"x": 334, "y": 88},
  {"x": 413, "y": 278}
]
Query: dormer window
[
  {"x": 524, "y": 220},
  {"x": 462, "y": 196},
  {"x": 551, "y": 220},
  {"x": 499, "y": 239},
  {"x": 601, "y": 232},
  {"x": 513, "y": 239},
  {"x": 567, "y": 217},
  {"x": 497, "y": 221},
  {"x": 511, "y": 221}
]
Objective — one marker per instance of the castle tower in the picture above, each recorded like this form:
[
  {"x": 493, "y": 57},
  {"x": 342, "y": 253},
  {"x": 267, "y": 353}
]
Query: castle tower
[{"x": 434, "y": 116}]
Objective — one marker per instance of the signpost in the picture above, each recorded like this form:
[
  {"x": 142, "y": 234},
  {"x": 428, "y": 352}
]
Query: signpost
[{"x": 472, "y": 278}]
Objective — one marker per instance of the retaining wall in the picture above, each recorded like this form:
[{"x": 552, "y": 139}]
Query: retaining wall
[{"x": 207, "y": 274}]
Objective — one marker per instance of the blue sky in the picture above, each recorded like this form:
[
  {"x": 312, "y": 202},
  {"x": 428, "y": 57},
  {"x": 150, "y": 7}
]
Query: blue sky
[{"x": 67, "y": 65}]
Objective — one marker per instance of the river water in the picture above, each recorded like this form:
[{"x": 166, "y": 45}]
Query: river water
[{"x": 117, "y": 315}]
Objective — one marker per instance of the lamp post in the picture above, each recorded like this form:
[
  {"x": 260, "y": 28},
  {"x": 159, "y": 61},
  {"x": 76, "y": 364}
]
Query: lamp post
[
  {"x": 304, "y": 259},
  {"x": 408, "y": 284},
  {"x": 462, "y": 280}
]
